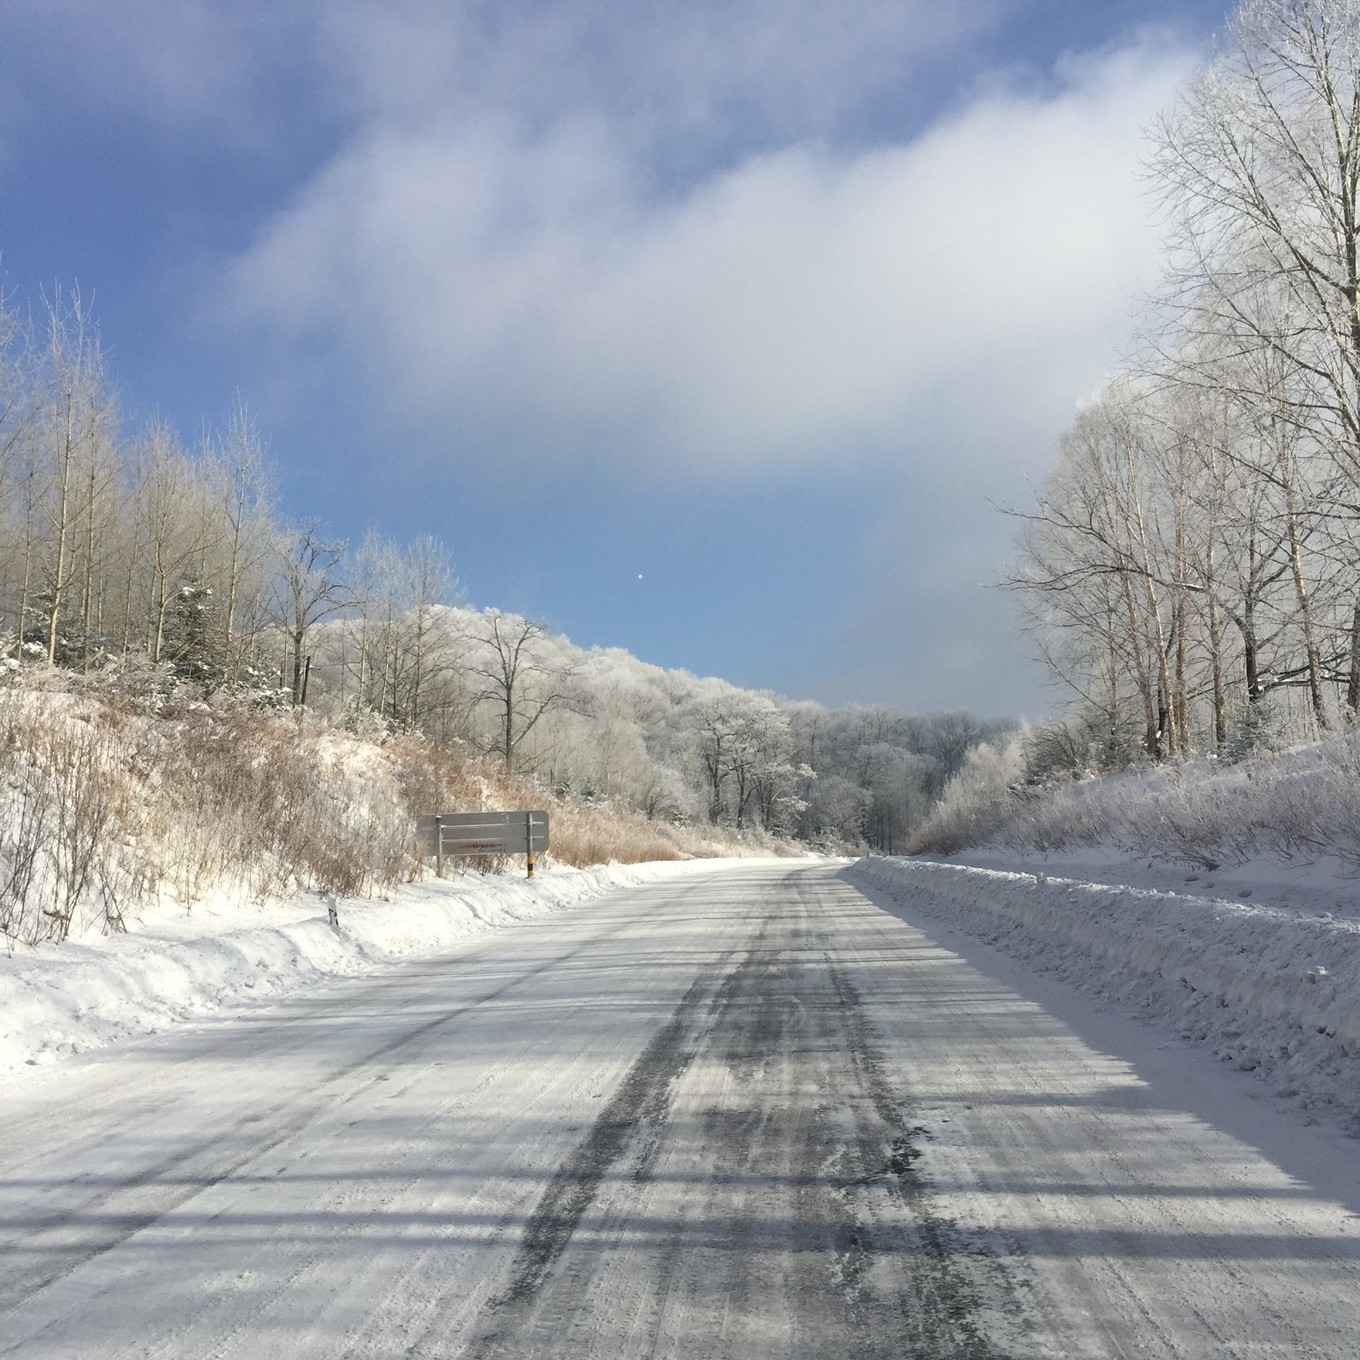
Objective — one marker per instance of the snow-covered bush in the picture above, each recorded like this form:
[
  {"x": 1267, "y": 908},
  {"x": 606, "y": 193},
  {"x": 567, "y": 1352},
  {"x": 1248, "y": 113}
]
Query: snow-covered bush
[
  {"x": 268, "y": 804},
  {"x": 1302, "y": 803},
  {"x": 977, "y": 801}
]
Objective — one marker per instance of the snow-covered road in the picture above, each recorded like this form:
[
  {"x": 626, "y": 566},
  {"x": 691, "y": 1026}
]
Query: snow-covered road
[{"x": 745, "y": 1113}]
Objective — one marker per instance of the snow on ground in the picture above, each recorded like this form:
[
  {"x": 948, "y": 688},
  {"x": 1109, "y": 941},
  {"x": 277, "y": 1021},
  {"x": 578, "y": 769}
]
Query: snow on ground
[
  {"x": 1320, "y": 886},
  {"x": 1261, "y": 961},
  {"x": 748, "y": 1114},
  {"x": 1274, "y": 989},
  {"x": 179, "y": 966}
]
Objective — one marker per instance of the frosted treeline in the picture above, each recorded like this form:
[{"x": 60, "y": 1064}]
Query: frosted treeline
[
  {"x": 602, "y": 725},
  {"x": 1190, "y": 566},
  {"x": 155, "y": 567}
]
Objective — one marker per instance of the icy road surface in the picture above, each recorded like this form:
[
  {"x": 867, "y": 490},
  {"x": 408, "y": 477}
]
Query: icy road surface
[{"x": 743, "y": 1114}]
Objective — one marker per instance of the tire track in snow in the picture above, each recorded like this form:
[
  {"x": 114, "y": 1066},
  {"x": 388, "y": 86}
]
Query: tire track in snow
[
  {"x": 641, "y": 1103},
  {"x": 806, "y": 1192},
  {"x": 41, "y": 1251}
]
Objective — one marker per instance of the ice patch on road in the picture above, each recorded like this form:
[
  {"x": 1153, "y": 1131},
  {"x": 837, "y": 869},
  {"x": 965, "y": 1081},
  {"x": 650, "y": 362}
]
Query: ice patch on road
[
  {"x": 1274, "y": 991},
  {"x": 62, "y": 999}
]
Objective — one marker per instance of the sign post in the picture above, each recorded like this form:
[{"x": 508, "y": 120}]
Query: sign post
[{"x": 482, "y": 833}]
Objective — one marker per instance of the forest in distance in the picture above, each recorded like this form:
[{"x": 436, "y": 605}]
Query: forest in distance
[{"x": 131, "y": 560}]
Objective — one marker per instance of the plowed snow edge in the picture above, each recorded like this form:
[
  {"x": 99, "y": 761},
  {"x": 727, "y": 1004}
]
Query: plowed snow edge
[
  {"x": 60, "y": 1000},
  {"x": 1274, "y": 992}
]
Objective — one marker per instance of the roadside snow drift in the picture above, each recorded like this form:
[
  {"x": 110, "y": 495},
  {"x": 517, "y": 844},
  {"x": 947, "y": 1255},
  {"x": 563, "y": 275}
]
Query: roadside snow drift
[
  {"x": 66, "y": 998},
  {"x": 1274, "y": 992}
]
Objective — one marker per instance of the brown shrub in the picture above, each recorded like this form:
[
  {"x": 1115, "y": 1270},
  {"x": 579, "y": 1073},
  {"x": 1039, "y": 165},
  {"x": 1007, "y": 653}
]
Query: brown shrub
[{"x": 108, "y": 801}]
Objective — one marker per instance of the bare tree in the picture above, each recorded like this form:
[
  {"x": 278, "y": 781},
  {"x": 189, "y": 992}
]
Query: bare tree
[
  {"x": 400, "y": 648},
  {"x": 73, "y": 434},
  {"x": 179, "y": 528},
  {"x": 1094, "y": 551},
  {"x": 308, "y": 589},
  {"x": 426, "y": 645},
  {"x": 718, "y": 726},
  {"x": 1259, "y": 167},
  {"x": 19, "y": 408},
  {"x": 519, "y": 680},
  {"x": 243, "y": 484}
]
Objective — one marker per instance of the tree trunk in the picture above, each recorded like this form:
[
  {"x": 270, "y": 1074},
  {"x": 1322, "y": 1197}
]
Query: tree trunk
[{"x": 1353, "y": 685}]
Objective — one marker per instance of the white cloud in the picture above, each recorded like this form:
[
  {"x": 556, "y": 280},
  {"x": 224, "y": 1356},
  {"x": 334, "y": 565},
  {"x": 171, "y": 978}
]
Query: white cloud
[{"x": 802, "y": 306}]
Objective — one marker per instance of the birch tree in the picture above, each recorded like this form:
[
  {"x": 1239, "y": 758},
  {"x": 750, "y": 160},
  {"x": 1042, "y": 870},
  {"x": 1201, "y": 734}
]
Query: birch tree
[
  {"x": 19, "y": 389},
  {"x": 1259, "y": 169},
  {"x": 244, "y": 489},
  {"x": 72, "y": 432}
]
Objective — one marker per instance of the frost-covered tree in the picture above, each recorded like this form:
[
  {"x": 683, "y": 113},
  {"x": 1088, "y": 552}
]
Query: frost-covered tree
[
  {"x": 240, "y": 479},
  {"x": 520, "y": 680},
  {"x": 308, "y": 589},
  {"x": 1258, "y": 164},
  {"x": 72, "y": 432}
]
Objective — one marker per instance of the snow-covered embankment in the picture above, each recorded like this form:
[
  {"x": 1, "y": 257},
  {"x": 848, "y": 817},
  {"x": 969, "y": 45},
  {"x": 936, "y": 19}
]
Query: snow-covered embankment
[
  {"x": 1274, "y": 992},
  {"x": 62, "y": 999}
]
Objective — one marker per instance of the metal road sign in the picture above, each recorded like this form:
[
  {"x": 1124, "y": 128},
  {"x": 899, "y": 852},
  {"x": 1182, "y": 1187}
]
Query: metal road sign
[{"x": 483, "y": 833}]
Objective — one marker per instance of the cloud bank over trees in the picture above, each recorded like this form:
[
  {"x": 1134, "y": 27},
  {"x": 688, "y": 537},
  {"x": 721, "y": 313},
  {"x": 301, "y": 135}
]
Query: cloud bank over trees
[{"x": 802, "y": 305}]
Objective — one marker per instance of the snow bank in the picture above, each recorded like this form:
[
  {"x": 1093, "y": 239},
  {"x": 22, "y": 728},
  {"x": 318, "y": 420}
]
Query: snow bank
[
  {"x": 68, "y": 998},
  {"x": 1275, "y": 992}
]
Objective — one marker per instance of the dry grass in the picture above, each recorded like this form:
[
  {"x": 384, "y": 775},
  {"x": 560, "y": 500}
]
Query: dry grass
[
  {"x": 112, "y": 801},
  {"x": 69, "y": 842},
  {"x": 277, "y": 804},
  {"x": 583, "y": 836}
]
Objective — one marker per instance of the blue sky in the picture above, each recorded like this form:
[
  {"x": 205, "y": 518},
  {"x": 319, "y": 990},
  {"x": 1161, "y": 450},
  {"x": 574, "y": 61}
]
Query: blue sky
[{"x": 710, "y": 330}]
